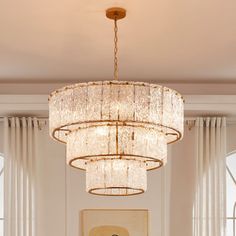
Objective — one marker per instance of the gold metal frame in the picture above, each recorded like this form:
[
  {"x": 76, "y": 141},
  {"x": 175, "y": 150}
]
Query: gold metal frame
[
  {"x": 115, "y": 13},
  {"x": 140, "y": 191},
  {"x": 138, "y": 124},
  {"x": 119, "y": 156}
]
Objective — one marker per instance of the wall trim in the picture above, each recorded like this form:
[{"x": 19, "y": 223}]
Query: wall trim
[
  {"x": 184, "y": 88},
  {"x": 195, "y": 105}
]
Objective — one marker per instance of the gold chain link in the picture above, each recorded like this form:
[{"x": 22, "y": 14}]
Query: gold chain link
[{"x": 115, "y": 51}]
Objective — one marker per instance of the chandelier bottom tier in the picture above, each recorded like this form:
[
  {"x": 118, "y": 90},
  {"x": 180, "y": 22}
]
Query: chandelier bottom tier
[{"x": 116, "y": 177}]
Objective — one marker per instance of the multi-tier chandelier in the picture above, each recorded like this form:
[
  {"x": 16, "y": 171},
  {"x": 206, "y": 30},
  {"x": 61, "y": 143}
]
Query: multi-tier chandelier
[{"x": 116, "y": 130}]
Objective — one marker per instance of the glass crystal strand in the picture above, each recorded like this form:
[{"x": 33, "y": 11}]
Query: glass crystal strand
[
  {"x": 98, "y": 139},
  {"x": 116, "y": 171}
]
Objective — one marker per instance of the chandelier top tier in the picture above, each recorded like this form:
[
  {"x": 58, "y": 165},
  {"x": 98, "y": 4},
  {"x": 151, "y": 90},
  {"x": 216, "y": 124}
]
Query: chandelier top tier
[
  {"x": 106, "y": 102},
  {"x": 116, "y": 130}
]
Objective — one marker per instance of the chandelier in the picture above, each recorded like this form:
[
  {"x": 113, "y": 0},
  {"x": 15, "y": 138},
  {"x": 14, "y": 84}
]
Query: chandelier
[{"x": 116, "y": 130}]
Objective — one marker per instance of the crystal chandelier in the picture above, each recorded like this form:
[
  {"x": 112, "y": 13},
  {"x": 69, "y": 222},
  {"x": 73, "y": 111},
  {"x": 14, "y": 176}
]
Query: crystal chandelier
[{"x": 116, "y": 130}]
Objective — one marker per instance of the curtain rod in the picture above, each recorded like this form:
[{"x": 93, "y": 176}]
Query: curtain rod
[
  {"x": 39, "y": 118},
  {"x": 229, "y": 120}
]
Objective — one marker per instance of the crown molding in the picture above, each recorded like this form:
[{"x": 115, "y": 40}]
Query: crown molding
[
  {"x": 195, "y": 105},
  {"x": 184, "y": 88},
  {"x": 23, "y": 105}
]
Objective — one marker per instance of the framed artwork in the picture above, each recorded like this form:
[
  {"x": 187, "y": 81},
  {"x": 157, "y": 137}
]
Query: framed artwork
[{"x": 114, "y": 222}]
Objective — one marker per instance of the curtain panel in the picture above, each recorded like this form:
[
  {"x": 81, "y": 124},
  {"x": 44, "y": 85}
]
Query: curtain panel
[
  {"x": 20, "y": 139},
  {"x": 210, "y": 200}
]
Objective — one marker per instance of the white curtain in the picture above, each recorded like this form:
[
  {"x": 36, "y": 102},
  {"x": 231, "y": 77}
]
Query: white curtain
[
  {"x": 20, "y": 138},
  {"x": 210, "y": 200}
]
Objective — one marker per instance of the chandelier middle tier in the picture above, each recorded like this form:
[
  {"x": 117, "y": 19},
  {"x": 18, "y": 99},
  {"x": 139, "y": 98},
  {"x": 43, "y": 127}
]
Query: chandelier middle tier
[{"x": 116, "y": 130}]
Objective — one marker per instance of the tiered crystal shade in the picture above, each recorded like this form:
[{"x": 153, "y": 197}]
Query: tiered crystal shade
[
  {"x": 116, "y": 177},
  {"x": 103, "y": 121},
  {"x": 126, "y": 142}
]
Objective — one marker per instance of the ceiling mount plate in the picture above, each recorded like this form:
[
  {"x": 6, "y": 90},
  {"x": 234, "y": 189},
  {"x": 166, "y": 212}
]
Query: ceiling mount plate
[{"x": 116, "y": 13}]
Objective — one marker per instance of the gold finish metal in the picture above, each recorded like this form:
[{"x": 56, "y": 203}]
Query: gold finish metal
[
  {"x": 121, "y": 156},
  {"x": 115, "y": 13},
  {"x": 138, "y": 191},
  {"x": 115, "y": 50},
  {"x": 131, "y": 123}
]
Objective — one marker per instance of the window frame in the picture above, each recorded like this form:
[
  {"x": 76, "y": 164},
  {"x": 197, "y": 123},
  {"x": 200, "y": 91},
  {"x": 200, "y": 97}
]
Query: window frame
[
  {"x": 2, "y": 175},
  {"x": 233, "y": 218}
]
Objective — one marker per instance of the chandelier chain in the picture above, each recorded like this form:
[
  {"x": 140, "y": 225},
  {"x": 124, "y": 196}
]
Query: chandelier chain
[{"x": 115, "y": 50}]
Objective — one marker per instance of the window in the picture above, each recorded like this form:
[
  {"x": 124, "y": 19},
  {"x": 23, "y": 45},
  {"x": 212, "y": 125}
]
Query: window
[
  {"x": 1, "y": 193},
  {"x": 231, "y": 195}
]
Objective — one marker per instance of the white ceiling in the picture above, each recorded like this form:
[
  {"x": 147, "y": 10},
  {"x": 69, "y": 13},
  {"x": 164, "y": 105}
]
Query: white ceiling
[{"x": 160, "y": 40}]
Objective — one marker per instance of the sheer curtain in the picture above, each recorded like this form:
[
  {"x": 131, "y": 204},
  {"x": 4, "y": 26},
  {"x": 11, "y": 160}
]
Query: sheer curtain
[
  {"x": 20, "y": 138},
  {"x": 210, "y": 200}
]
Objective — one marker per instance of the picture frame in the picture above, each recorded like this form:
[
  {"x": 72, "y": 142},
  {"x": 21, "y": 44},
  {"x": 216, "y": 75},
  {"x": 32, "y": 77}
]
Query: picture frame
[{"x": 116, "y": 222}]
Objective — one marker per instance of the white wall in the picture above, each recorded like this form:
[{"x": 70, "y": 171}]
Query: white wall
[
  {"x": 231, "y": 138},
  {"x": 1, "y": 137},
  {"x": 50, "y": 186},
  {"x": 182, "y": 185}
]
